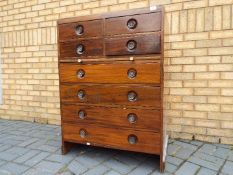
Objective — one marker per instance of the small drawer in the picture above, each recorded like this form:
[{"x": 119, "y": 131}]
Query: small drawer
[
  {"x": 82, "y": 29},
  {"x": 145, "y": 119},
  {"x": 133, "y": 24},
  {"x": 120, "y": 138},
  {"x": 81, "y": 48},
  {"x": 104, "y": 94},
  {"x": 134, "y": 45},
  {"x": 128, "y": 72}
]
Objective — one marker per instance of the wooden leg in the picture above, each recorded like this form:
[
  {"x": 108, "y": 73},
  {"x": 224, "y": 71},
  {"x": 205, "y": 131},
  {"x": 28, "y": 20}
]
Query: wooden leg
[
  {"x": 162, "y": 164},
  {"x": 66, "y": 147}
]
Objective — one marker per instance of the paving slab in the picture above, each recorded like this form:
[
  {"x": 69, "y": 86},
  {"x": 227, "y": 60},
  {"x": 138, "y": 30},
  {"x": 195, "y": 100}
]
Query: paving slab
[{"x": 35, "y": 149}]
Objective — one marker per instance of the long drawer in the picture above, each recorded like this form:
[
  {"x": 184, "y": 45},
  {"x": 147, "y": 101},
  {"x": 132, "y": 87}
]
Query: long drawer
[
  {"x": 123, "y": 95},
  {"x": 111, "y": 73},
  {"x": 108, "y": 116},
  {"x": 120, "y": 138}
]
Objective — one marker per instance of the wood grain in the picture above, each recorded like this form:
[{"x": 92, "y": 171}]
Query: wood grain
[
  {"x": 145, "y": 23},
  {"x": 111, "y": 73},
  {"x": 93, "y": 47},
  {"x": 148, "y": 142},
  {"x": 146, "y": 44},
  {"x": 91, "y": 29},
  {"x": 111, "y": 94},
  {"x": 115, "y": 117}
]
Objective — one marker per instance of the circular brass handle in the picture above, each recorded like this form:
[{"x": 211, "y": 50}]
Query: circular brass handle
[
  {"x": 131, "y": 45},
  {"x": 82, "y": 114},
  {"x": 132, "y": 118},
  {"x": 83, "y": 133},
  {"x": 132, "y": 73},
  {"x": 132, "y": 139},
  {"x": 80, "y": 73},
  {"x": 81, "y": 94},
  {"x": 132, "y": 24},
  {"x": 132, "y": 96},
  {"x": 79, "y": 30},
  {"x": 80, "y": 49}
]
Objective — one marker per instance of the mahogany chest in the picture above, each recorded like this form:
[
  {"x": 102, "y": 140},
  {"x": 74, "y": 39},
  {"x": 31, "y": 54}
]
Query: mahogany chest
[{"x": 111, "y": 81}]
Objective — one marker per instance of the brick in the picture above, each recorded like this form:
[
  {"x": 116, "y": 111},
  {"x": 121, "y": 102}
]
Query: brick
[
  {"x": 206, "y": 91},
  {"x": 220, "y": 51},
  {"x": 209, "y": 43},
  {"x": 221, "y": 67},
  {"x": 221, "y": 34},
  {"x": 183, "y": 45},
  {"x": 220, "y": 83},
  {"x": 222, "y": 2},
  {"x": 196, "y": 36},
  {"x": 217, "y": 18},
  {"x": 175, "y": 23},
  {"x": 195, "y": 83},
  {"x": 227, "y": 91},
  {"x": 220, "y": 100},
  {"x": 227, "y": 75},
  {"x": 138, "y": 4},
  {"x": 195, "y": 114},
  {"x": 227, "y": 125},
  {"x": 182, "y": 60},
  {"x": 226, "y": 17},
  {"x": 208, "y": 19},
  {"x": 195, "y": 4},
  {"x": 183, "y": 21},
  {"x": 200, "y": 22},
  {"x": 181, "y": 106},
  {"x": 194, "y": 68},
  {"x": 207, "y": 107},
  {"x": 191, "y": 20},
  {"x": 181, "y": 91}
]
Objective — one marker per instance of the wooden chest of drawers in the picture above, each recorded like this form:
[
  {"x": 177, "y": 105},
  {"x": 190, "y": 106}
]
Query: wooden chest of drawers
[{"x": 111, "y": 81}]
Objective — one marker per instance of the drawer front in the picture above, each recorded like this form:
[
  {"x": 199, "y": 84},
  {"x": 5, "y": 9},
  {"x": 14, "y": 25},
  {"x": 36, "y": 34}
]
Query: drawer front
[
  {"x": 147, "y": 142},
  {"x": 110, "y": 73},
  {"x": 108, "y": 116},
  {"x": 134, "y": 45},
  {"x": 80, "y": 30},
  {"x": 133, "y": 24},
  {"x": 111, "y": 95},
  {"x": 81, "y": 48}
]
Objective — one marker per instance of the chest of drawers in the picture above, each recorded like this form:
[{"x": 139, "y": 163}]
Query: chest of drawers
[{"x": 111, "y": 81}]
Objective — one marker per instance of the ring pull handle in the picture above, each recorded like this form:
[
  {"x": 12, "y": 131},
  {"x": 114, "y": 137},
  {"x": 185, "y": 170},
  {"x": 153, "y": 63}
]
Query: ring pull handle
[
  {"x": 132, "y": 73},
  {"x": 79, "y": 30},
  {"x": 83, "y": 133},
  {"x": 80, "y": 49},
  {"x": 82, "y": 114},
  {"x": 131, "y": 45},
  {"x": 132, "y": 24},
  {"x": 81, "y": 94},
  {"x": 132, "y": 96},
  {"x": 132, "y": 118},
  {"x": 80, "y": 73},
  {"x": 132, "y": 139}
]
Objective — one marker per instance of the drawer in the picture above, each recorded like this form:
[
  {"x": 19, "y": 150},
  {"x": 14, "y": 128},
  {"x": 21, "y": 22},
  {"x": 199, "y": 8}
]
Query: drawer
[
  {"x": 133, "y": 24},
  {"x": 128, "y": 72},
  {"x": 82, "y": 29},
  {"x": 133, "y": 45},
  {"x": 111, "y": 95},
  {"x": 119, "y": 138},
  {"x": 81, "y": 48},
  {"x": 129, "y": 118}
]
